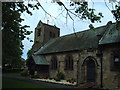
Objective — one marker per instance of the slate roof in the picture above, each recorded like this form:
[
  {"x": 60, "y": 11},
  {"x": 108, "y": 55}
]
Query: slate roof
[
  {"x": 85, "y": 40},
  {"x": 112, "y": 35},
  {"x": 40, "y": 60}
]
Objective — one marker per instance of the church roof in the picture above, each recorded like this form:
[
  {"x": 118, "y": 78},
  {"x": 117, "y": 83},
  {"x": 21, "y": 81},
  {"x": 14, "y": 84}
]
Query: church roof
[
  {"x": 112, "y": 35},
  {"x": 82, "y": 40},
  {"x": 88, "y": 39},
  {"x": 40, "y": 60}
]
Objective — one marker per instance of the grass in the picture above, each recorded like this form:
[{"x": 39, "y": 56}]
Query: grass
[
  {"x": 17, "y": 74},
  {"x": 11, "y": 83}
]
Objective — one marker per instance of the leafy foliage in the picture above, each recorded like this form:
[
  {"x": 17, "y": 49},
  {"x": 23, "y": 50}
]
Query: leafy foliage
[
  {"x": 24, "y": 72},
  {"x": 60, "y": 75},
  {"x": 29, "y": 57},
  {"x": 29, "y": 53},
  {"x": 86, "y": 13},
  {"x": 13, "y": 32},
  {"x": 116, "y": 13}
]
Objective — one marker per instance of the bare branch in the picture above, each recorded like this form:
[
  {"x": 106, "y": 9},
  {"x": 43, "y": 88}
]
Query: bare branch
[
  {"x": 46, "y": 11},
  {"x": 107, "y": 5},
  {"x": 92, "y": 4},
  {"x": 68, "y": 14},
  {"x": 61, "y": 12}
]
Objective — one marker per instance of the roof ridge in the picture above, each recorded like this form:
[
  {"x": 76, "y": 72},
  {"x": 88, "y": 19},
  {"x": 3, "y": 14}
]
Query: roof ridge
[
  {"x": 40, "y": 22},
  {"x": 82, "y": 31}
]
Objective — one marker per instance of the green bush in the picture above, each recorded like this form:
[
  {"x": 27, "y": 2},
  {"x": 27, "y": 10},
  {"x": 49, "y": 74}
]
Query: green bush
[
  {"x": 36, "y": 76},
  {"x": 24, "y": 72},
  {"x": 60, "y": 75}
]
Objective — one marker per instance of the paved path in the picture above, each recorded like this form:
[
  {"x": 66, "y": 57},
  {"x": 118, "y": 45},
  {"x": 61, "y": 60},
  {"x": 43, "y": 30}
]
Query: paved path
[{"x": 26, "y": 79}]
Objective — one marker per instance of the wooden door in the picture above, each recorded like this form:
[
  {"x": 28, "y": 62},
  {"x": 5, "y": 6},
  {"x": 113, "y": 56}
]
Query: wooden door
[{"x": 91, "y": 71}]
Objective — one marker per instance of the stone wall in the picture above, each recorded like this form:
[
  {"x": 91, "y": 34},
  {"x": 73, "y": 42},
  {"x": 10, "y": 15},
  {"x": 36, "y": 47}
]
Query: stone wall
[
  {"x": 82, "y": 74},
  {"x": 79, "y": 71},
  {"x": 69, "y": 74},
  {"x": 111, "y": 78}
]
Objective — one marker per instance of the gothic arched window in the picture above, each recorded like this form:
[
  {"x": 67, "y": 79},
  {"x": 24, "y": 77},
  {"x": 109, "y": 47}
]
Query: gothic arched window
[
  {"x": 54, "y": 64},
  {"x": 68, "y": 62}
]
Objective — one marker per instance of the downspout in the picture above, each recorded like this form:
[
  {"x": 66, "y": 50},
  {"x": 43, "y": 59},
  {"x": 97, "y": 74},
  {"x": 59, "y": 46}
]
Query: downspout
[
  {"x": 101, "y": 59},
  {"x": 58, "y": 66},
  {"x": 78, "y": 69},
  {"x": 101, "y": 62},
  {"x": 100, "y": 55},
  {"x": 77, "y": 73}
]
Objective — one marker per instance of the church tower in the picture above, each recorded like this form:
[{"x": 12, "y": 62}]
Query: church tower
[{"x": 43, "y": 33}]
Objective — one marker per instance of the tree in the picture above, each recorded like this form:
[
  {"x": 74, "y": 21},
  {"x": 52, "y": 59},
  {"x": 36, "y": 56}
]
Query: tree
[
  {"x": 13, "y": 32},
  {"x": 29, "y": 55}
]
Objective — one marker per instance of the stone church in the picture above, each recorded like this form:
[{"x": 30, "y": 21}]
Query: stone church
[{"x": 89, "y": 56}]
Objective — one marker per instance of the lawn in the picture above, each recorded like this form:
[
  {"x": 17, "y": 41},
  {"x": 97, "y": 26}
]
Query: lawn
[
  {"x": 11, "y": 83},
  {"x": 17, "y": 74}
]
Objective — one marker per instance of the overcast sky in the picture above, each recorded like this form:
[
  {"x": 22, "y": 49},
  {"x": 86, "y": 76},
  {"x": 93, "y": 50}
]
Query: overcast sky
[{"x": 66, "y": 26}]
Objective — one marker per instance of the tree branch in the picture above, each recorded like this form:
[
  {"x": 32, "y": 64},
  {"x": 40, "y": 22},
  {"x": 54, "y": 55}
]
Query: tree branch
[{"x": 46, "y": 11}]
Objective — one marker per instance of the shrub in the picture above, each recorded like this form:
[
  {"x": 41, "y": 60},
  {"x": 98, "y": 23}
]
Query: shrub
[
  {"x": 71, "y": 80},
  {"x": 57, "y": 79},
  {"x": 60, "y": 75},
  {"x": 24, "y": 72},
  {"x": 37, "y": 75},
  {"x": 43, "y": 75}
]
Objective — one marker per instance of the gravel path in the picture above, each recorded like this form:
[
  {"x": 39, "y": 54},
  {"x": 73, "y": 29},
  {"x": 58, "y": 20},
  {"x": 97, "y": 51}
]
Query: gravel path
[{"x": 26, "y": 79}]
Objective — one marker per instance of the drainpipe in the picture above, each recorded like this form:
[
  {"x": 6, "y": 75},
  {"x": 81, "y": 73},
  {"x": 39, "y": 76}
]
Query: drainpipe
[
  {"x": 101, "y": 61},
  {"x": 77, "y": 73},
  {"x": 78, "y": 69},
  {"x": 58, "y": 66},
  {"x": 100, "y": 55}
]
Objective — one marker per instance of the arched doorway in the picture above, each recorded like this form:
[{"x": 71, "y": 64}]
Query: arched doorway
[{"x": 90, "y": 70}]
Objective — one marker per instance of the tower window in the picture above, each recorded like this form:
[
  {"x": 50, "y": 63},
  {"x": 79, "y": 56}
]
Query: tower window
[
  {"x": 52, "y": 35},
  {"x": 39, "y": 31}
]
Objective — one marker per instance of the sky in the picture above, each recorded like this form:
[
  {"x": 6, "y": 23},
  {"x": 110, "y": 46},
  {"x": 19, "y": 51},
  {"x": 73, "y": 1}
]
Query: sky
[{"x": 59, "y": 20}]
